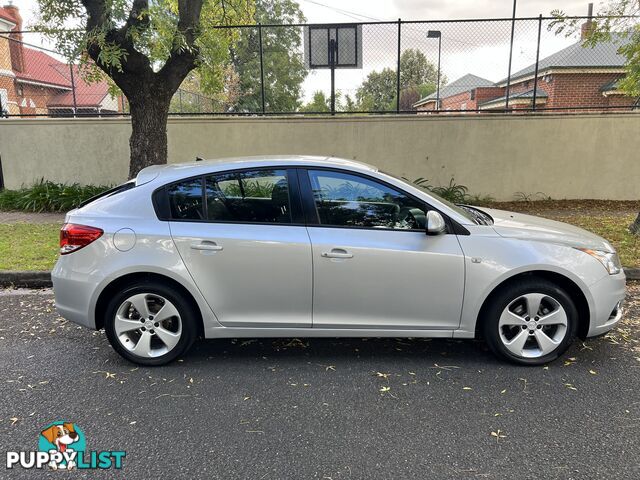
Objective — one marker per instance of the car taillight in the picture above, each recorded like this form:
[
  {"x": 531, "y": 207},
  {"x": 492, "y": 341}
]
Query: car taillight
[{"x": 73, "y": 237}]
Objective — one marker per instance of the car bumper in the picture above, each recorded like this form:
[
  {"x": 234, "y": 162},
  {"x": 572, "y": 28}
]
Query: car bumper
[
  {"x": 73, "y": 292},
  {"x": 608, "y": 304}
]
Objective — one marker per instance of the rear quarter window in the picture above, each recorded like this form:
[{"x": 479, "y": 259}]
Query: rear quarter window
[{"x": 185, "y": 200}]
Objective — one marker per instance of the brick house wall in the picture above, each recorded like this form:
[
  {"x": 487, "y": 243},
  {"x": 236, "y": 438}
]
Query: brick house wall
[
  {"x": 583, "y": 90},
  {"x": 564, "y": 90}
]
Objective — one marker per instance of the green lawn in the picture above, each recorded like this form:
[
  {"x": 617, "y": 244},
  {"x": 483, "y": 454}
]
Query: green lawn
[
  {"x": 25, "y": 246},
  {"x": 35, "y": 246}
]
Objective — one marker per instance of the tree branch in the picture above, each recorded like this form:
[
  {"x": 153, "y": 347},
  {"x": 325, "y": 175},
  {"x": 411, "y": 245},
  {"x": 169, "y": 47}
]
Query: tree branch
[
  {"x": 96, "y": 13},
  {"x": 132, "y": 61},
  {"x": 137, "y": 15},
  {"x": 182, "y": 60}
]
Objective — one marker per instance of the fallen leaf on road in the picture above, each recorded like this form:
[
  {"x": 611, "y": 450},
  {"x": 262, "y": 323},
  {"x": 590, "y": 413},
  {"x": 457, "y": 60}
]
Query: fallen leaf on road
[{"x": 498, "y": 434}]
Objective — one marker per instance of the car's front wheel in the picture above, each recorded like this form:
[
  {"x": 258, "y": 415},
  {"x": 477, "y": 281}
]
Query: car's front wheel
[
  {"x": 531, "y": 322},
  {"x": 150, "y": 324}
]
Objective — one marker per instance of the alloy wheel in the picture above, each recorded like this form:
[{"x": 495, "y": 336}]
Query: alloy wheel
[
  {"x": 148, "y": 325},
  {"x": 533, "y": 325}
]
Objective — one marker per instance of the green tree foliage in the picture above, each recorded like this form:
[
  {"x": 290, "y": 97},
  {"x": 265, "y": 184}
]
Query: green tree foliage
[
  {"x": 418, "y": 78},
  {"x": 378, "y": 92},
  {"x": 284, "y": 69},
  {"x": 147, "y": 49},
  {"x": 319, "y": 103},
  {"x": 416, "y": 70}
]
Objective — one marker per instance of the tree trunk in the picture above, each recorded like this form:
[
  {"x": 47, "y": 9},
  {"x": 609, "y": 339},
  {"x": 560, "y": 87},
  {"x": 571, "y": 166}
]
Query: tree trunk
[
  {"x": 635, "y": 226},
  {"x": 148, "y": 141}
]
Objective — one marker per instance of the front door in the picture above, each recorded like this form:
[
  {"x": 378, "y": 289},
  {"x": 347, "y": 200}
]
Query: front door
[
  {"x": 374, "y": 265},
  {"x": 236, "y": 234}
]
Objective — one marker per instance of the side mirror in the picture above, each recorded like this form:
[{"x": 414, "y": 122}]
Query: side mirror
[{"x": 435, "y": 223}]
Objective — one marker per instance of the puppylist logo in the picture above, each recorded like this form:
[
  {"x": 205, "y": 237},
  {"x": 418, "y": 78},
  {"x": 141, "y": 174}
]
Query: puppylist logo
[{"x": 62, "y": 446}]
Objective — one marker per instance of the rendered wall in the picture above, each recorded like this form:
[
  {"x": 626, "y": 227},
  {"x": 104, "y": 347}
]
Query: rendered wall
[{"x": 562, "y": 156}]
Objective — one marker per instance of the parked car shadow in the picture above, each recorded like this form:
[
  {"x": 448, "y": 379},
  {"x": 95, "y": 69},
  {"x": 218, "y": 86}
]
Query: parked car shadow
[{"x": 332, "y": 350}]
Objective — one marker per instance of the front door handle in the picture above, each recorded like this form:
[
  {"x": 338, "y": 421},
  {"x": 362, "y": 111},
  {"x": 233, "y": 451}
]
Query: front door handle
[
  {"x": 337, "y": 253},
  {"x": 206, "y": 246}
]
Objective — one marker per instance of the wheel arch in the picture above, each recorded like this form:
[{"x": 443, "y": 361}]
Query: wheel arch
[
  {"x": 140, "y": 277},
  {"x": 564, "y": 282}
]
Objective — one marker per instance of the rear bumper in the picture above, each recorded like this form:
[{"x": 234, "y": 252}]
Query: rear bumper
[
  {"x": 73, "y": 293},
  {"x": 608, "y": 297}
]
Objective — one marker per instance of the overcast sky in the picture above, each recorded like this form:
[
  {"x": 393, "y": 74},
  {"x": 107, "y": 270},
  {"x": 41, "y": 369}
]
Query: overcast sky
[
  {"x": 478, "y": 48},
  {"x": 344, "y": 11}
]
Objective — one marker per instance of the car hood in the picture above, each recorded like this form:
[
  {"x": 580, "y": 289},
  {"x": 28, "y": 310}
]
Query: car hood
[{"x": 528, "y": 227}]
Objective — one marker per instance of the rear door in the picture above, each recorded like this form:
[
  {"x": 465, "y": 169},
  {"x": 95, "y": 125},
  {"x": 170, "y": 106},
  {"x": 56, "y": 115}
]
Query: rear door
[
  {"x": 242, "y": 238},
  {"x": 374, "y": 264}
]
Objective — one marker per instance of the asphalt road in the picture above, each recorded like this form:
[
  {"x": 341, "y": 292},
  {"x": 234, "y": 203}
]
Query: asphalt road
[{"x": 323, "y": 408}]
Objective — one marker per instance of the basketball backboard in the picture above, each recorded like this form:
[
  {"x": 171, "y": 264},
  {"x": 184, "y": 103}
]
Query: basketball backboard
[{"x": 347, "y": 39}]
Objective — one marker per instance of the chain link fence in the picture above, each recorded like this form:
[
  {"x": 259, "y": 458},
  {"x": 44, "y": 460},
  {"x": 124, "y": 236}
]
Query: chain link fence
[{"x": 425, "y": 67}]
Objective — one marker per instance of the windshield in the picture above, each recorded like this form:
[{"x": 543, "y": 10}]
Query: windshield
[{"x": 458, "y": 209}]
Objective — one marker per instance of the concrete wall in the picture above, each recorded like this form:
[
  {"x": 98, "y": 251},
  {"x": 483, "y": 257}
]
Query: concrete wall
[{"x": 563, "y": 156}]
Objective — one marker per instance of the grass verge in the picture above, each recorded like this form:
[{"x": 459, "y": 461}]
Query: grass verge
[{"x": 25, "y": 246}]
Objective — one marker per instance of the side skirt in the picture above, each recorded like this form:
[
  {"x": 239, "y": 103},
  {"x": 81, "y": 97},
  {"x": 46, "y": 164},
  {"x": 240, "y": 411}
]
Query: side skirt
[{"x": 245, "y": 332}]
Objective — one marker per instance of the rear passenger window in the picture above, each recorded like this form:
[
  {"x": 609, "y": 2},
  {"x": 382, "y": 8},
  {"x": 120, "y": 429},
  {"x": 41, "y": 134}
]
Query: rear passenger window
[
  {"x": 260, "y": 196},
  {"x": 185, "y": 200}
]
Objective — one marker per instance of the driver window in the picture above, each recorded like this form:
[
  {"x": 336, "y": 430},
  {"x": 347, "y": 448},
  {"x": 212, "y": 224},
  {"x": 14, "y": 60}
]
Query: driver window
[{"x": 352, "y": 201}]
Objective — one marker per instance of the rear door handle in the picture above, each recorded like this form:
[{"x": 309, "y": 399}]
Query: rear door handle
[
  {"x": 337, "y": 253},
  {"x": 206, "y": 246}
]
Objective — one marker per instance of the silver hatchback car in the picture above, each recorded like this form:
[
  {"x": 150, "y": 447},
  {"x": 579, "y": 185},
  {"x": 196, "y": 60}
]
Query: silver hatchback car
[{"x": 322, "y": 247}]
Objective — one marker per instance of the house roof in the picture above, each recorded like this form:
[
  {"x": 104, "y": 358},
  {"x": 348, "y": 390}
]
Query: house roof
[
  {"x": 42, "y": 68},
  {"x": 6, "y": 15},
  {"x": 87, "y": 94},
  {"x": 461, "y": 85},
  {"x": 602, "y": 55},
  {"x": 526, "y": 95}
]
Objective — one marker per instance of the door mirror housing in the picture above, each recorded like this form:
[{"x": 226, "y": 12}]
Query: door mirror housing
[{"x": 435, "y": 223}]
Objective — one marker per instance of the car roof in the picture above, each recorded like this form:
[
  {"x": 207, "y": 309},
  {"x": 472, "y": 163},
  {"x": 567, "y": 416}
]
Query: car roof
[{"x": 176, "y": 171}]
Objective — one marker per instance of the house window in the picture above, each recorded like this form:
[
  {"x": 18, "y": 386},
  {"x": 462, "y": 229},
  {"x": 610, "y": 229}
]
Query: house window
[
  {"x": 4, "y": 101},
  {"x": 472, "y": 96}
]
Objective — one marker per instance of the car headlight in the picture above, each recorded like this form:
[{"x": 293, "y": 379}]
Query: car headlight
[{"x": 609, "y": 260}]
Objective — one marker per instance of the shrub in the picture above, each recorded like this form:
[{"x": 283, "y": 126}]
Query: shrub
[
  {"x": 454, "y": 192},
  {"x": 46, "y": 196}
]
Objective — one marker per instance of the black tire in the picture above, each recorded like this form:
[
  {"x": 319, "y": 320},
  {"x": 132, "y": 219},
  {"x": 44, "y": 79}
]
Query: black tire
[
  {"x": 188, "y": 317},
  {"x": 505, "y": 296}
]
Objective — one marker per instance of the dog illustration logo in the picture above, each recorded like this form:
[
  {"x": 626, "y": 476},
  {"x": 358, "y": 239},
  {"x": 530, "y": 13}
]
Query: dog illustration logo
[
  {"x": 62, "y": 446},
  {"x": 65, "y": 438}
]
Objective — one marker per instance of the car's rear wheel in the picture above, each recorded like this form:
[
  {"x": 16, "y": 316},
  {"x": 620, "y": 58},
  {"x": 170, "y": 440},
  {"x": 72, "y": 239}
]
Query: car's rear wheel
[
  {"x": 530, "y": 322},
  {"x": 150, "y": 324}
]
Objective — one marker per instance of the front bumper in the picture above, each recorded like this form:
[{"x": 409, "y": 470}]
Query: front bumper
[{"x": 608, "y": 298}]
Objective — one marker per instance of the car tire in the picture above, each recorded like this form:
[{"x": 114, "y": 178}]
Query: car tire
[
  {"x": 540, "y": 334},
  {"x": 165, "y": 330}
]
